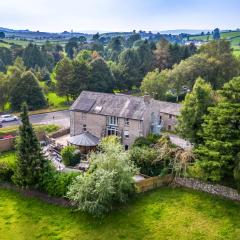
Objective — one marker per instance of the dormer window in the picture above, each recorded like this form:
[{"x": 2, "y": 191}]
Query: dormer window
[{"x": 112, "y": 121}]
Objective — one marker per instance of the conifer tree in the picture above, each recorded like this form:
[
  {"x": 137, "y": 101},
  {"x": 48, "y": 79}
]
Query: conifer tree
[
  {"x": 31, "y": 163},
  {"x": 219, "y": 154},
  {"x": 194, "y": 108}
]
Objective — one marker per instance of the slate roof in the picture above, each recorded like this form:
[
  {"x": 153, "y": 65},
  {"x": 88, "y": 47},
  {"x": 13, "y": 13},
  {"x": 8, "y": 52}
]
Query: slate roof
[
  {"x": 119, "y": 105},
  {"x": 85, "y": 139},
  {"x": 168, "y": 107}
]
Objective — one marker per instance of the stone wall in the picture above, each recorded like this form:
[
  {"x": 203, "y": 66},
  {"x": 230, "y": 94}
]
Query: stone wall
[
  {"x": 96, "y": 125},
  {"x": 6, "y": 144},
  {"x": 60, "y": 133},
  {"x": 208, "y": 187}
]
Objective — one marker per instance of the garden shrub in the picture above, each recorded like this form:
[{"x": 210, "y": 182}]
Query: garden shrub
[
  {"x": 109, "y": 179},
  {"x": 146, "y": 141},
  {"x": 144, "y": 158},
  {"x": 56, "y": 183},
  {"x": 6, "y": 171},
  {"x": 70, "y": 155}
]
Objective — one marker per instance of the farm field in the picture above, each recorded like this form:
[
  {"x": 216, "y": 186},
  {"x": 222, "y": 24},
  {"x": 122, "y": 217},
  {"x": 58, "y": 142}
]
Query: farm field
[
  {"x": 163, "y": 214},
  {"x": 233, "y": 36}
]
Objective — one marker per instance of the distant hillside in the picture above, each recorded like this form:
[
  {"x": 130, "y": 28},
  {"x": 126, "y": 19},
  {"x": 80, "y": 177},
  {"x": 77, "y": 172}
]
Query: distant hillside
[
  {"x": 233, "y": 36},
  {"x": 187, "y": 31}
]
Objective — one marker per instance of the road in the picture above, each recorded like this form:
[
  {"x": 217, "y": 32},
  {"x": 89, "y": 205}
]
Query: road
[{"x": 60, "y": 118}]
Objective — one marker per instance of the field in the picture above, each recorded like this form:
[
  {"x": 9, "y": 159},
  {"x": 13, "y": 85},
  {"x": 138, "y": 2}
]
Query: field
[
  {"x": 163, "y": 214},
  {"x": 7, "y": 42},
  {"x": 234, "y": 37}
]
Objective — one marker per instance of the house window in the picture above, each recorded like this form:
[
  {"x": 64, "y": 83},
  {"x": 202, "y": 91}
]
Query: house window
[
  {"x": 111, "y": 120},
  {"x": 160, "y": 120},
  {"x": 84, "y": 127},
  {"x": 126, "y": 121},
  {"x": 126, "y": 134},
  {"x": 126, "y": 147},
  {"x": 112, "y": 131},
  {"x": 170, "y": 116},
  {"x": 169, "y": 127}
]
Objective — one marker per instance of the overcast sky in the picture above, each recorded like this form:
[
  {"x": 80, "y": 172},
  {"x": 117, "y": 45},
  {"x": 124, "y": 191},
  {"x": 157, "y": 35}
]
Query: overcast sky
[{"x": 119, "y": 15}]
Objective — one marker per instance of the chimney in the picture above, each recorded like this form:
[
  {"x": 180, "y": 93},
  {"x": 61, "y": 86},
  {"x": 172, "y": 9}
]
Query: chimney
[{"x": 147, "y": 98}]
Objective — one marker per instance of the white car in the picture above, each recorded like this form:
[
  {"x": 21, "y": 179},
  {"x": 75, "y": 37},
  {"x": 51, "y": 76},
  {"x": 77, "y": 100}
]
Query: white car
[{"x": 8, "y": 118}]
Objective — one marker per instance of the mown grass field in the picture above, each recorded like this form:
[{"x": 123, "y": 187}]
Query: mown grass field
[{"x": 163, "y": 214}]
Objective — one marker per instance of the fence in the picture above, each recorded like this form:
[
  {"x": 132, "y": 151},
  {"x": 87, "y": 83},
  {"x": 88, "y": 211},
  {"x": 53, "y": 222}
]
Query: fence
[{"x": 153, "y": 182}]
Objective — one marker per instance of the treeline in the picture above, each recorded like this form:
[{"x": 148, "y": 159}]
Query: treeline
[
  {"x": 121, "y": 65},
  {"x": 213, "y": 61}
]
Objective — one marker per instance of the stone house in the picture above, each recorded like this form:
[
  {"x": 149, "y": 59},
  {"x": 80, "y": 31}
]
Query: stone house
[{"x": 126, "y": 116}]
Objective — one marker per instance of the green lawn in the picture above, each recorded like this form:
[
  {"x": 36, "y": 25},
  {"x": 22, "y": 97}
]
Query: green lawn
[
  {"x": 48, "y": 128},
  {"x": 57, "y": 101},
  {"x": 162, "y": 214},
  {"x": 8, "y": 157},
  {"x": 227, "y": 35}
]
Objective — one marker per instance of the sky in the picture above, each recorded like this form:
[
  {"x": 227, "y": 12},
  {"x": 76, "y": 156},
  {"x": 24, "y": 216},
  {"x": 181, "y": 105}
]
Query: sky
[{"x": 119, "y": 15}]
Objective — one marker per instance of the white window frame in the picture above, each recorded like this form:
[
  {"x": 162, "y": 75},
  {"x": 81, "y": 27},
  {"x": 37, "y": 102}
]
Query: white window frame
[
  {"x": 126, "y": 133},
  {"x": 112, "y": 121},
  {"x": 114, "y": 131}
]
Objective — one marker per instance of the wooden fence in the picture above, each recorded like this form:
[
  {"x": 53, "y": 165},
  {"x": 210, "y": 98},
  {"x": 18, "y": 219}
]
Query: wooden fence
[{"x": 153, "y": 182}]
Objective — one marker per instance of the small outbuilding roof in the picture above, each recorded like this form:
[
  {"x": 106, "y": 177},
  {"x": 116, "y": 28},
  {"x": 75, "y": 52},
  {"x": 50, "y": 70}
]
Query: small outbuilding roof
[{"x": 85, "y": 139}]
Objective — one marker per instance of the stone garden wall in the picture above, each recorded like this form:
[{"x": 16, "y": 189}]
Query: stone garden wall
[{"x": 215, "y": 189}]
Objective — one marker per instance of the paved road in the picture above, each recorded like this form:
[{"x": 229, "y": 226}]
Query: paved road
[{"x": 59, "y": 118}]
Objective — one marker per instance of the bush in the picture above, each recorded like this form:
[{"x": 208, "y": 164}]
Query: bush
[
  {"x": 144, "y": 158},
  {"x": 108, "y": 181},
  {"x": 146, "y": 141},
  {"x": 70, "y": 155},
  {"x": 6, "y": 171},
  {"x": 57, "y": 183}
]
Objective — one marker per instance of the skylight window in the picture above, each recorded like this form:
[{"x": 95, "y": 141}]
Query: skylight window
[{"x": 98, "y": 108}]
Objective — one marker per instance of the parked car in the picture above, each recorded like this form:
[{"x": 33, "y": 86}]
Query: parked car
[{"x": 8, "y": 118}]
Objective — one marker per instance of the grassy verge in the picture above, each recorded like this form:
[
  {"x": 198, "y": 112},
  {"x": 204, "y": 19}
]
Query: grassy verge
[
  {"x": 48, "y": 128},
  {"x": 163, "y": 214}
]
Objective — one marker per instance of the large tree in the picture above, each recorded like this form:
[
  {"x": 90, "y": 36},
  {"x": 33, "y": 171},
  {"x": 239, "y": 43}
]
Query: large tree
[
  {"x": 102, "y": 79},
  {"x": 195, "y": 106},
  {"x": 71, "y": 47},
  {"x": 81, "y": 77},
  {"x": 31, "y": 165},
  {"x": 64, "y": 74},
  {"x": 219, "y": 154},
  {"x": 32, "y": 56},
  {"x": 3, "y": 90},
  {"x": 27, "y": 89},
  {"x": 6, "y": 58},
  {"x": 155, "y": 84}
]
